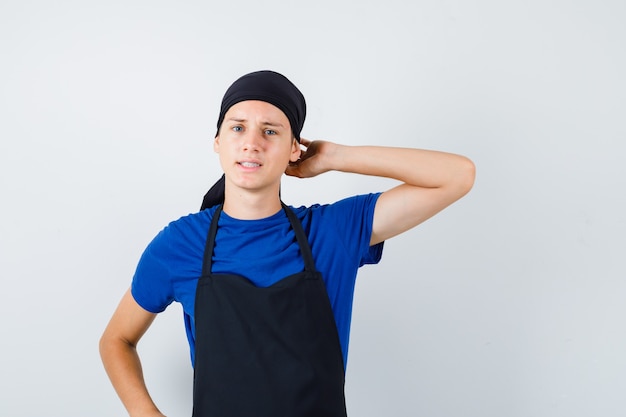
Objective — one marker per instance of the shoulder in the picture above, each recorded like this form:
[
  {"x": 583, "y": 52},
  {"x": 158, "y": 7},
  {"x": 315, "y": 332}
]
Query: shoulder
[
  {"x": 185, "y": 235},
  {"x": 190, "y": 224},
  {"x": 350, "y": 206},
  {"x": 348, "y": 220}
]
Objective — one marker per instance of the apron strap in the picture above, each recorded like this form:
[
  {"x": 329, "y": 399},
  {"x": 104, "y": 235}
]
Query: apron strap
[
  {"x": 303, "y": 241},
  {"x": 210, "y": 242},
  {"x": 301, "y": 238}
]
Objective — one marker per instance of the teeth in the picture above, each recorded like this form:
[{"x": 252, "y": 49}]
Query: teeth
[{"x": 249, "y": 164}]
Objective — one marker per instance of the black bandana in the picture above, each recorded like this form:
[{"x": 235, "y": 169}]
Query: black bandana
[{"x": 271, "y": 87}]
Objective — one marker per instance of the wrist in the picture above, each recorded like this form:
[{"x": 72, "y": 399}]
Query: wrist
[{"x": 336, "y": 157}]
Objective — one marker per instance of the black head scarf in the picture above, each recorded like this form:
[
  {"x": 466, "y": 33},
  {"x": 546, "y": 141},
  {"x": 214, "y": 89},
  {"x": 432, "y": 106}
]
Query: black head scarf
[
  {"x": 271, "y": 87},
  {"x": 268, "y": 86}
]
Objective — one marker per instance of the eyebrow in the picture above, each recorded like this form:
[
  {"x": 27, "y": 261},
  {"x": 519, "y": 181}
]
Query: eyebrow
[{"x": 265, "y": 123}]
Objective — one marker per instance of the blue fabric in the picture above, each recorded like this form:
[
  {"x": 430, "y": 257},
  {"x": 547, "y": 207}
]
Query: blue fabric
[{"x": 264, "y": 251}]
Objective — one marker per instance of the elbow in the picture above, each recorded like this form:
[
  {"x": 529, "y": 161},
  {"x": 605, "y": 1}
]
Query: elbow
[
  {"x": 108, "y": 344},
  {"x": 104, "y": 346},
  {"x": 112, "y": 348},
  {"x": 466, "y": 176}
]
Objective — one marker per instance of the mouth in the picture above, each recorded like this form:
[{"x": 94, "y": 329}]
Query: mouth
[{"x": 249, "y": 164}]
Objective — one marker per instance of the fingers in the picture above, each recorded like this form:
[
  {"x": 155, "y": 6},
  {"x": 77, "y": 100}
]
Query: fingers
[{"x": 293, "y": 170}]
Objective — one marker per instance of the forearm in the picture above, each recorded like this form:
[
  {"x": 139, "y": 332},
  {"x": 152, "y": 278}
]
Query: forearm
[
  {"x": 417, "y": 167},
  {"x": 123, "y": 367}
]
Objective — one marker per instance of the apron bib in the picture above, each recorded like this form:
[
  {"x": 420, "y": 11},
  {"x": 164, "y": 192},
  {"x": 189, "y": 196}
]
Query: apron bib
[{"x": 266, "y": 352}]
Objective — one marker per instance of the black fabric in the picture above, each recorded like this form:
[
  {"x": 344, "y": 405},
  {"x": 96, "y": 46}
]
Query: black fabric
[
  {"x": 266, "y": 352},
  {"x": 271, "y": 87},
  {"x": 215, "y": 195}
]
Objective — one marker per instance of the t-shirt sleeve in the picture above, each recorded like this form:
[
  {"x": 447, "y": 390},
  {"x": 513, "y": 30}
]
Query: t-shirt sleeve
[
  {"x": 354, "y": 220},
  {"x": 170, "y": 262},
  {"x": 152, "y": 283}
]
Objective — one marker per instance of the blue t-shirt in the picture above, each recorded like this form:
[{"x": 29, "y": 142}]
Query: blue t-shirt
[{"x": 264, "y": 251}]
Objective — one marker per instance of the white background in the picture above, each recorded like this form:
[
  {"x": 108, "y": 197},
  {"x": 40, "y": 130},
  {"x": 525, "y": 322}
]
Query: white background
[{"x": 509, "y": 303}]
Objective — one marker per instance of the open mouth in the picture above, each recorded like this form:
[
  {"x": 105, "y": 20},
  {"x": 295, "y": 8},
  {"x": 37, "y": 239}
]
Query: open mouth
[{"x": 247, "y": 164}]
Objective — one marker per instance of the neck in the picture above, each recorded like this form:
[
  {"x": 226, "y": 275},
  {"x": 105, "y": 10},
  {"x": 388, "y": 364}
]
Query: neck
[{"x": 251, "y": 205}]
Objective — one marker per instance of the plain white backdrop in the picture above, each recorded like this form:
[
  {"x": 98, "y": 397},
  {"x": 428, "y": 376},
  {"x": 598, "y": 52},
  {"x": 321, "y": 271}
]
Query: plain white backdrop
[{"x": 509, "y": 303}]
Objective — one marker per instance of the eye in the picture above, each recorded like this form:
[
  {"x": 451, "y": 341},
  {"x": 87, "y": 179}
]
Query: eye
[
  {"x": 237, "y": 128},
  {"x": 270, "y": 132}
]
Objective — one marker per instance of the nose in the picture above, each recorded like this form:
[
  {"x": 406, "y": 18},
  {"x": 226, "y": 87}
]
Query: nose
[{"x": 252, "y": 141}]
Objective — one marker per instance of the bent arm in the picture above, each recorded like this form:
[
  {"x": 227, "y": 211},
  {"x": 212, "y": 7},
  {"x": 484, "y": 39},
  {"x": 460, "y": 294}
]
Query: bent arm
[
  {"x": 431, "y": 180},
  {"x": 121, "y": 361}
]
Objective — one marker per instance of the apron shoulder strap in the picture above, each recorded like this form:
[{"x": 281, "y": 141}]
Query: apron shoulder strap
[
  {"x": 301, "y": 237},
  {"x": 210, "y": 242}
]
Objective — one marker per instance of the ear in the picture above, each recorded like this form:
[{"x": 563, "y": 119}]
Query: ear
[
  {"x": 216, "y": 144},
  {"x": 295, "y": 151}
]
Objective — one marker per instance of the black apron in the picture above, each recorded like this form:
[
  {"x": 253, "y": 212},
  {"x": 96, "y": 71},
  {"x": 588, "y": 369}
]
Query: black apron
[{"x": 266, "y": 352}]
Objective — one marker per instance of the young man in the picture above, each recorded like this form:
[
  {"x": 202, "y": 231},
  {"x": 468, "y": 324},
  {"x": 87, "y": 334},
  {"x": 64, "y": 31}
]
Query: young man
[{"x": 266, "y": 288}]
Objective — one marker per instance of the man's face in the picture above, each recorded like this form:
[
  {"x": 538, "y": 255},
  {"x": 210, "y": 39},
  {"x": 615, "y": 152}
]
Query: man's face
[{"x": 255, "y": 145}]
